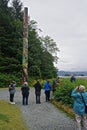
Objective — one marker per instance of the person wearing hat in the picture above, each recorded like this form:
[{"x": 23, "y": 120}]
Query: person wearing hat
[
  {"x": 25, "y": 93},
  {"x": 80, "y": 96}
]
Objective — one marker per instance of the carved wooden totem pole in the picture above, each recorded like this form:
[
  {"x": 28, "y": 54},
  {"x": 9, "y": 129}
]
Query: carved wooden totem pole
[{"x": 25, "y": 47}]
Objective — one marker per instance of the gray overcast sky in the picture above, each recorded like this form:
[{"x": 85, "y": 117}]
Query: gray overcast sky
[{"x": 66, "y": 22}]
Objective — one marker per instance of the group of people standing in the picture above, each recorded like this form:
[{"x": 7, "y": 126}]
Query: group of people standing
[
  {"x": 24, "y": 89},
  {"x": 47, "y": 89},
  {"x": 47, "y": 86},
  {"x": 79, "y": 94}
]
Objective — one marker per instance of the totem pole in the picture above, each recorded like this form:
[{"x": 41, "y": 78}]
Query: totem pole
[{"x": 25, "y": 47}]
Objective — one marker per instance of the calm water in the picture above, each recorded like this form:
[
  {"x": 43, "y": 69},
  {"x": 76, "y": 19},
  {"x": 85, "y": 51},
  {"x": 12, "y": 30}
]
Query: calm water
[{"x": 85, "y": 77}]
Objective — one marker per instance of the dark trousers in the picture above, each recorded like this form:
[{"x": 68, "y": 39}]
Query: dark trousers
[
  {"x": 38, "y": 98},
  {"x": 11, "y": 97},
  {"x": 25, "y": 99},
  {"x": 47, "y": 93}
]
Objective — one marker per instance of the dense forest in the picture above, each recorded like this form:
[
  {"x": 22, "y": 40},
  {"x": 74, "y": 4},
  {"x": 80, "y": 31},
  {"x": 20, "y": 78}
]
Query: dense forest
[{"x": 42, "y": 49}]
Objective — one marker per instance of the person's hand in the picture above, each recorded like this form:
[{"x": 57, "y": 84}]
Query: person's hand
[{"x": 77, "y": 88}]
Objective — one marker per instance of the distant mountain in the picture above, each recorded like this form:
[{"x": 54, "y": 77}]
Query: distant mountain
[{"x": 69, "y": 73}]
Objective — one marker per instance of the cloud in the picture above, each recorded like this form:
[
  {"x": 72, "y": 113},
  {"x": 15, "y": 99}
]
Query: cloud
[{"x": 66, "y": 22}]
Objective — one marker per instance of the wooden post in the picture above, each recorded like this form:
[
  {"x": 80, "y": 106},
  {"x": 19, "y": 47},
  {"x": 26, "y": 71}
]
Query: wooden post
[{"x": 25, "y": 47}]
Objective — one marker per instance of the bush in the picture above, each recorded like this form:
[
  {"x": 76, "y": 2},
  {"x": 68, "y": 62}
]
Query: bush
[
  {"x": 64, "y": 89},
  {"x": 5, "y": 79}
]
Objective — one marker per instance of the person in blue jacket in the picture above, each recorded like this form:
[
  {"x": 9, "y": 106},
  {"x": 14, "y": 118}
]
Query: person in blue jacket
[
  {"x": 79, "y": 94},
  {"x": 47, "y": 88}
]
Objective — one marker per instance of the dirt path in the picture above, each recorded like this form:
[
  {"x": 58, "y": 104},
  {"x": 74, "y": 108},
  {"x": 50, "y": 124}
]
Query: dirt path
[{"x": 44, "y": 116}]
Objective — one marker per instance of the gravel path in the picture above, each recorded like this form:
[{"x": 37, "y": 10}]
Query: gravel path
[{"x": 44, "y": 116}]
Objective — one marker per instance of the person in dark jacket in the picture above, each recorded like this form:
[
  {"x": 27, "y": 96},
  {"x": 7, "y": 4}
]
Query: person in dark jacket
[
  {"x": 38, "y": 88},
  {"x": 25, "y": 93},
  {"x": 72, "y": 79},
  {"x": 53, "y": 88}
]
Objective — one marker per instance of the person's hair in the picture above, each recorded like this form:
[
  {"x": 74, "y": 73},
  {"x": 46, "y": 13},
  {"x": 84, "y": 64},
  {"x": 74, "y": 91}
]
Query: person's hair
[
  {"x": 82, "y": 87},
  {"x": 25, "y": 83},
  {"x": 38, "y": 80}
]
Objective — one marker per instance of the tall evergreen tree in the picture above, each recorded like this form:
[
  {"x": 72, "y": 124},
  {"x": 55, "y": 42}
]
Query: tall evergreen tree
[
  {"x": 41, "y": 50},
  {"x": 40, "y": 53},
  {"x": 10, "y": 40},
  {"x": 17, "y": 9}
]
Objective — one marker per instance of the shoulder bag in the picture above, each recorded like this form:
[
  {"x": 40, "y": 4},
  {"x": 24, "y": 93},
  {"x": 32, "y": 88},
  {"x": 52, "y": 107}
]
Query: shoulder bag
[{"x": 84, "y": 103}]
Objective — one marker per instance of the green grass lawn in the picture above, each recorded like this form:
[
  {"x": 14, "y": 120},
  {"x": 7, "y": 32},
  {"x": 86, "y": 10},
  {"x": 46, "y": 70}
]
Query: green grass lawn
[{"x": 11, "y": 117}]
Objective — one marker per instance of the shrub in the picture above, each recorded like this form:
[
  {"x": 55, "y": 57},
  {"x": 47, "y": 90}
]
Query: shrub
[
  {"x": 64, "y": 89},
  {"x": 5, "y": 79}
]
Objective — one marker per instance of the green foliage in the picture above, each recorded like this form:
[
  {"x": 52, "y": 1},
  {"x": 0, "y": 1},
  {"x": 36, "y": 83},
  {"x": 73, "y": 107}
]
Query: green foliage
[
  {"x": 64, "y": 89},
  {"x": 5, "y": 79},
  {"x": 42, "y": 51},
  {"x": 35, "y": 72},
  {"x": 50, "y": 46},
  {"x": 17, "y": 9}
]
